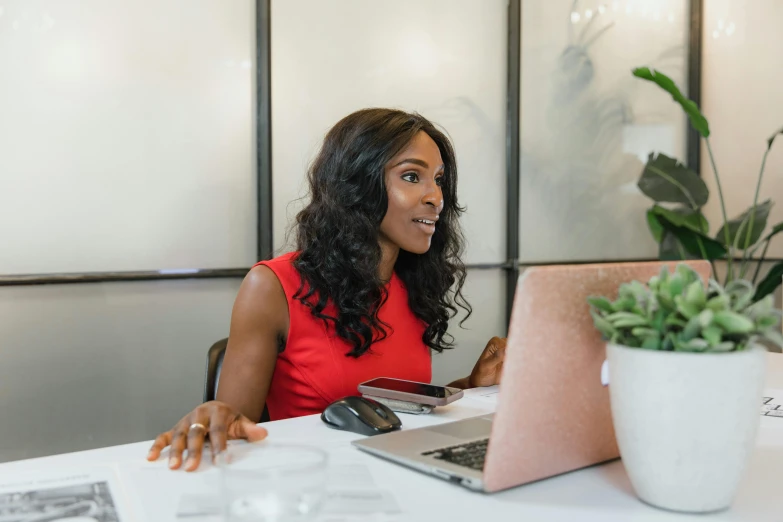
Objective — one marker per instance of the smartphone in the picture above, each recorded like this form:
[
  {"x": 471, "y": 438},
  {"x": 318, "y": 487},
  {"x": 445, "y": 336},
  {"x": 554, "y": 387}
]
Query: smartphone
[{"x": 419, "y": 392}]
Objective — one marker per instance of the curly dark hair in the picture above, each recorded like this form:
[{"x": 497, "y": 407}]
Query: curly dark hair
[{"x": 338, "y": 231}]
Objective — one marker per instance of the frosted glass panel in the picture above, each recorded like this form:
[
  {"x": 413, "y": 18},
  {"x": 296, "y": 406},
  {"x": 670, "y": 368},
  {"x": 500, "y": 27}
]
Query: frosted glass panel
[
  {"x": 485, "y": 291},
  {"x": 742, "y": 99},
  {"x": 587, "y": 126},
  {"x": 443, "y": 58},
  {"x": 127, "y": 135},
  {"x": 94, "y": 365}
]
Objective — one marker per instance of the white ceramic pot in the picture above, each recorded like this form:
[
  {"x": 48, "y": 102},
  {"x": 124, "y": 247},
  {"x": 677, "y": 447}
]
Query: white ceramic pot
[{"x": 686, "y": 423}]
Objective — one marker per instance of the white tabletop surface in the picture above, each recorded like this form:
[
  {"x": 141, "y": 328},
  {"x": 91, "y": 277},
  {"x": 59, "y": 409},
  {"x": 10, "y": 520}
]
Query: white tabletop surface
[{"x": 601, "y": 493}]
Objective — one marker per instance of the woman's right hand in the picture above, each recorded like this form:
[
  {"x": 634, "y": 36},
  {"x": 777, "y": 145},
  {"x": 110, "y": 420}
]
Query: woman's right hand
[{"x": 216, "y": 419}]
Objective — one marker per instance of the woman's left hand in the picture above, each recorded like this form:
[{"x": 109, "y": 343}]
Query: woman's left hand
[{"x": 489, "y": 365}]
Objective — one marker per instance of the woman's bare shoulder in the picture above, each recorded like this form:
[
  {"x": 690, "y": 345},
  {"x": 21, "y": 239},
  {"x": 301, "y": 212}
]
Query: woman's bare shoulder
[{"x": 261, "y": 300}]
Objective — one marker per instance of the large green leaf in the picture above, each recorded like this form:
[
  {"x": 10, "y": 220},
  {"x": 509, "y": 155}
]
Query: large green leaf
[
  {"x": 698, "y": 120},
  {"x": 771, "y": 139},
  {"x": 740, "y": 225},
  {"x": 683, "y": 217},
  {"x": 664, "y": 179},
  {"x": 694, "y": 243},
  {"x": 656, "y": 229},
  {"x": 671, "y": 250},
  {"x": 777, "y": 229},
  {"x": 770, "y": 283}
]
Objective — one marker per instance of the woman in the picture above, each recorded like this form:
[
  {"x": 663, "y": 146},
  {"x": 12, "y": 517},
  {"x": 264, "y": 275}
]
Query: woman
[{"x": 368, "y": 293}]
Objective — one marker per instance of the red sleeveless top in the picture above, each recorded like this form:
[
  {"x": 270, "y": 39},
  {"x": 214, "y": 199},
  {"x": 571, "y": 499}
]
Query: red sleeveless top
[{"x": 313, "y": 370}]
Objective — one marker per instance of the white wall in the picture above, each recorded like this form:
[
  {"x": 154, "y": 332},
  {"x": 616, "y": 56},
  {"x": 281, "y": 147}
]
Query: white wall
[
  {"x": 443, "y": 58},
  {"x": 743, "y": 100},
  {"x": 126, "y": 143},
  {"x": 91, "y": 365},
  {"x": 484, "y": 290},
  {"x": 127, "y": 135}
]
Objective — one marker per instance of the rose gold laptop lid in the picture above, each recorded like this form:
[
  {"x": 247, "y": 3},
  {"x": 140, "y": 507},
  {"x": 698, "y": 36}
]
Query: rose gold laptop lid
[{"x": 553, "y": 413}]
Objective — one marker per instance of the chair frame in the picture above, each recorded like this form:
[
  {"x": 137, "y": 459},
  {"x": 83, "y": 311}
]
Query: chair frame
[
  {"x": 212, "y": 377},
  {"x": 214, "y": 364}
]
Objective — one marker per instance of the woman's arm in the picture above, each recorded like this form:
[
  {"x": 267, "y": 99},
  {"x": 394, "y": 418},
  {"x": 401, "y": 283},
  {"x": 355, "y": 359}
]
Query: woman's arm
[
  {"x": 462, "y": 384},
  {"x": 488, "y": 368},
  {"x": 259, "y": 322}
]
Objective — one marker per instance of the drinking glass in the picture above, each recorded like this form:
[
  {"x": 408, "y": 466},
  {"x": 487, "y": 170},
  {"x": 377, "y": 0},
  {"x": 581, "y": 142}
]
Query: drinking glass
[{"x": 272, "y": 482}]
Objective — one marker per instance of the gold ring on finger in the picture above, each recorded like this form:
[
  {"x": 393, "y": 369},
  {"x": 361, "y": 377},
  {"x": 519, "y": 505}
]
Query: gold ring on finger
[{"x": 197, "y": 426}]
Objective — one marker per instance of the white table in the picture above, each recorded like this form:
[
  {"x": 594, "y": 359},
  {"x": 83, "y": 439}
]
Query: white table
[{"x": 602, "y": 493}]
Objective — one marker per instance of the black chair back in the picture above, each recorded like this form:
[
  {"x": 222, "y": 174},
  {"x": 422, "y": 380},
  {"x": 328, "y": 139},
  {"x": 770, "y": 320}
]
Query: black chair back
[{"x": 214, "y": 365}]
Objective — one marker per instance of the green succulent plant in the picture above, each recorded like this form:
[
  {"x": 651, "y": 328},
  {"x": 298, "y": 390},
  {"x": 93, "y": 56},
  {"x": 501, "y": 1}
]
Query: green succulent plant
[{"x": 676, "y": 312}]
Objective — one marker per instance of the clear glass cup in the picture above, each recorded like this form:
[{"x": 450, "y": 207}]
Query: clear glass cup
[{"x": 272, "y": 482}]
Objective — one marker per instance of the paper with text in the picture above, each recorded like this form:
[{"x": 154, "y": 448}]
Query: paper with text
[{"x": 772, "y": 403}]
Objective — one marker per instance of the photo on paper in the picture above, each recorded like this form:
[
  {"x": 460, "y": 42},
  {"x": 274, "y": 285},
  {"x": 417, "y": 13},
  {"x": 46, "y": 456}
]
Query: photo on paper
[{"x": 90, "y": 502}]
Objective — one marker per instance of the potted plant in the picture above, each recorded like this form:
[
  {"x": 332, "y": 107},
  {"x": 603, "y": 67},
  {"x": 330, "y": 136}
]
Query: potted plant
[
  {"x": 686, "y": 376},
  {"x": 676, "y": 220}
]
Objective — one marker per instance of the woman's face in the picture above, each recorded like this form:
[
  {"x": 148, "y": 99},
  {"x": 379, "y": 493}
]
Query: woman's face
[{"x": 413, "y": 185}]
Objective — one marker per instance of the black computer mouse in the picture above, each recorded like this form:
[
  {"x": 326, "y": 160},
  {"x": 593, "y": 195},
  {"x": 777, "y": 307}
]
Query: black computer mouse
[{"x": 360, "y": 415}]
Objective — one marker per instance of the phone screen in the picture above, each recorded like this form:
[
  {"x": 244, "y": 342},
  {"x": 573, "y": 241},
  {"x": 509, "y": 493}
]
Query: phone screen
[{"x": 416, "y": 388}]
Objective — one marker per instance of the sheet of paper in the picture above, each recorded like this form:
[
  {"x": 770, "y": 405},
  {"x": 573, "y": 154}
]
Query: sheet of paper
[
  {"x": 359, "y": 502},
  {"x": 486, "y": 394},
  {"x": 199, "y": 506},
  {"x": 351, "y": 492},
  {"x": 772, "y": 403},
  {"x": 94, "y": 493}
]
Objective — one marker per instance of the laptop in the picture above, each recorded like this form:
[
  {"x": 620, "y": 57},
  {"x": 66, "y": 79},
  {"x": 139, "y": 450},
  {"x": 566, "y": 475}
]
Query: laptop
[{"x": 553, "y": 413}]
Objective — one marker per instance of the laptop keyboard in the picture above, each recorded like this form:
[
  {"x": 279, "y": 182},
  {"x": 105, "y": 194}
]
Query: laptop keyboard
[{"x": 470, "y": 455}]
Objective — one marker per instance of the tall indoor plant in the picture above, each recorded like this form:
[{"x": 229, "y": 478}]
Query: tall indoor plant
[
  {"x": 686, "y": 377},
  {"x": 680, "y": 227}
]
